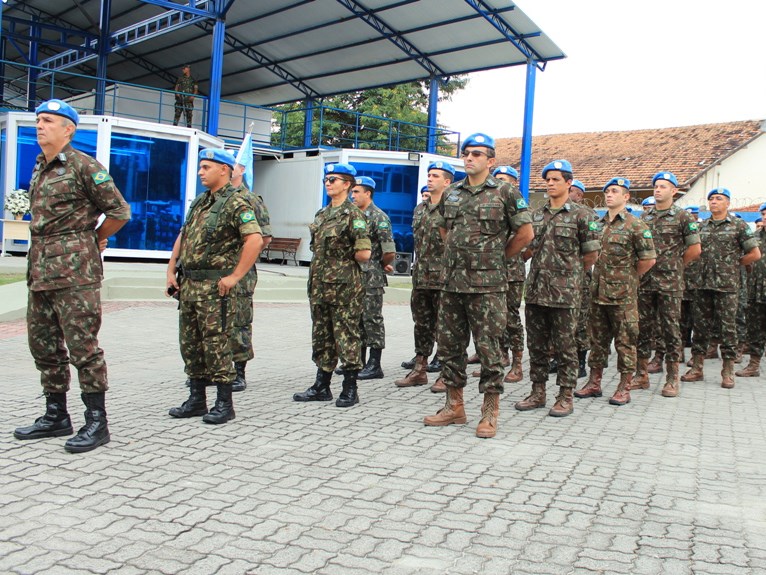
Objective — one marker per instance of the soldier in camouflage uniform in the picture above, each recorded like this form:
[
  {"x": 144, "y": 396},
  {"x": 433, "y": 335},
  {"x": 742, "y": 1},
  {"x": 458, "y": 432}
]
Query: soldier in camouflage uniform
[
  {"x": 566, "y": 244},
  {"x": 218, "y": 245},
  {"x": 756, "y": 311},
  {"x": 676, "y": 238},
  {"x": 340, "y": 242},
  {"x": 483, "y": 221},
  {"x": 727, "y": 243},
  {"x": 374, "y": 277},
  {"x": 68, "y": 192},
  {"x": 627, "y": 253},
  {"x": 188, "y": 88},
  {"x": 426, "y": 275},
  {"x": 690, "y": 284}
]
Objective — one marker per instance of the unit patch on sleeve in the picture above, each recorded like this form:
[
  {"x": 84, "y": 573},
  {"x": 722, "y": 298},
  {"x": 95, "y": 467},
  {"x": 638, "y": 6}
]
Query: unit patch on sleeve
[
  {"x": 101, "y": 177},
  {"x": 248, "y": 216},
  {"x": 360, "y": 225}
]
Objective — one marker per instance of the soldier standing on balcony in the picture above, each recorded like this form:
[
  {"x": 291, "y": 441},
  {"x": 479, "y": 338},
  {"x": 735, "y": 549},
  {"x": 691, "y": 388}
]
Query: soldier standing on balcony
[{"x": 187, "y": 88}]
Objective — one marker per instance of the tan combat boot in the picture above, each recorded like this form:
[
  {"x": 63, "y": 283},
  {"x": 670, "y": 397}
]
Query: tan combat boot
[
  {"x": 641, "y": 381},
  {"x": 564, "y": 403},
  {"x": 712, "y": 351},
  {"x": 506, "y": 360},
  {"x": 672, "y": 385},
  {"x": 727, "y": 374},
  {"x": 418, "y": 375},
  {"x": 515, "y": 374},
  {"x": 534, "y": 400},
  {"x": 452, "y": 412},
  {"x": 490, "y": 410},
  {"x": 695, "y": 372},
  {"x": 439, "y": 386},
  {"x": 752, "y": 369},
  {"x": 655, "y": 366},
  {"x": 593, "y": 386},
  {"x": 622, "y": 395}
]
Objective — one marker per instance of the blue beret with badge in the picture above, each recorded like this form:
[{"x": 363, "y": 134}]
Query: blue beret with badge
[
  {"x": 366, "y": 181},
  {"x": 650, "y": 201},
  {"x": 346, "y": 169},
  {"x": 219, "y": 156},
  {"x": 445, "y": 166},
  {"x": 763, "y": 207},
  {"x": 59, "y": 108},
  {"x": 478, "y": 140},
  {"x": 693, "y": 209},
  {"x": 560, "y": 165},
  {"x": 507, "y": 170},
  {"x": 622, "y": 182},
  {"x": 719, "y": 191},
  {"x": 578, "y": 184},
  {"x": 668, "y": 176}
]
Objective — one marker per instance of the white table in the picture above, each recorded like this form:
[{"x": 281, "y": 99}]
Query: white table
[{"x": 15, "y": 230}]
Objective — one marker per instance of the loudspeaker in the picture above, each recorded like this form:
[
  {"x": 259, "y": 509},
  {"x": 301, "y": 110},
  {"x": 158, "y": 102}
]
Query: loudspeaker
[{"x": 402, "y": 264}]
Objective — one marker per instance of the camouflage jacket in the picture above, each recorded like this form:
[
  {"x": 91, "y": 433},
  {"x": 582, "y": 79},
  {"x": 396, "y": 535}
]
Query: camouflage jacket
[
  {"x": 625, "y": 240},
  {"x": 479, "y": 220},
  {"x": 562, "y": 237},
  {"x": 336, "y": 235},
  {"x": 724, "y": 242},
  {"x": 67, "y": 196},
  {"x": 516, "y": 270},
  {"x": 247, "y": 285},
  {"x": 429, "y": 247},
  {"x": 185, "y": 84},
  {"x": 382, "y": 242},
  {"x": 211, "y": 249},
  {"x": 757, "y": 278},
  {"x": 673, "y": 231}
]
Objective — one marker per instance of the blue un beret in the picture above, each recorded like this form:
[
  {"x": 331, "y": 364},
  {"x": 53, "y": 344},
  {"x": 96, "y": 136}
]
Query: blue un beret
[
  {"x": 347, "y": 169},
  {"x": 669, "y": 176},
  {"x": 623, "y": 182},
  {"x": 366, "y": 181},
  {"x": 508, "y": 170},
  {"x": 693, "y": 209},
  {"x": 60, "y": 108},
  {"x": 478, "y": 140},
  {"x": 423, "y": 189},
  {"x": 578, "y": 184},
  {"x": 560, "y": 165},
  {"x": 650, "y": 201},
  {"x": 219, "y": 156},
  {"x": 441, "y": 166},
  {"x": 720, "y": 191},
  {"x": 763, "y": 207}
]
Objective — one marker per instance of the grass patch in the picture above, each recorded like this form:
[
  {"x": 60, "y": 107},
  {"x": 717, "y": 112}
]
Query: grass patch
[{"x": 11, "y": 278}]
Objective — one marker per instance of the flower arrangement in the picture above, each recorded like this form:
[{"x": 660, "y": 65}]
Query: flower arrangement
[{"x": 17, "y": 202}]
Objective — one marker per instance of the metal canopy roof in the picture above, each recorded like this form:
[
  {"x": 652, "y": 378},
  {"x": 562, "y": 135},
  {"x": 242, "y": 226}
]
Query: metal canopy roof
[{"x": 278, "y": 51}]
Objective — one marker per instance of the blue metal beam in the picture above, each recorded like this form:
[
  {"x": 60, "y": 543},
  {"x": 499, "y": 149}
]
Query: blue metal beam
[
  {"x": 216, "y": 72},
  {"x": 433, "y": 103},
  {"x": 25, "y": 30},
  {"x": 526, "y": 136},
  {"x": 103, "y": 56},
  {"x": 308, "y": 122},
  {"x": 189, "y": 8}
]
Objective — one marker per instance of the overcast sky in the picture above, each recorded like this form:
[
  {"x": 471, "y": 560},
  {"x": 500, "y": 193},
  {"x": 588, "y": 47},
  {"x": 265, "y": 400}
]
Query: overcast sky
[{"x": 630, "y": 65}]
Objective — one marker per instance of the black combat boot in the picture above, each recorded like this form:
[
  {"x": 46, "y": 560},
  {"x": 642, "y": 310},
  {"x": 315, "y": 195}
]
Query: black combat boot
[
  {"x": 240, "y": 383},
  {"x": 55, "y": 422},
  {"x": 553, "y": 366},
  {"x": 95, "y": 431},
  {"x": 349, "y": 396},
  {"x": 320, "y": 391},
  {"x": 196, "y": 405},
  {"x": 372, "y": 369},
  {"x": 435, "y": 366},
  {"x": 409, "y": 364},
  {"x": 223, "y": 410},
  {"x": 581, "y": 355}
]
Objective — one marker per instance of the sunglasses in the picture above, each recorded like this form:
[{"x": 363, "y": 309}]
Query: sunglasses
[
  {"x": 473, "y": 153},
  {"x": 331, "y": 179}
]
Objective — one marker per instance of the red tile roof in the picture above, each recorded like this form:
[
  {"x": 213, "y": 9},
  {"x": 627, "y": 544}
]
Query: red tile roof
[{"x": 596, "y": 157}]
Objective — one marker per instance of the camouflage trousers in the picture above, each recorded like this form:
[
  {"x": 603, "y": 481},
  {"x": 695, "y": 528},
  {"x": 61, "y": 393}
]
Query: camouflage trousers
[
  {"x": 482, "y": 315},
  {"x": 513, "y": 336},
  {"x": 186, "y": 105},
  {"x": 659, "y": 318},
  {"x": 335, "y": 334},
  {"x": 62, "y": 328},
  {"x": 204, "y": 329},
  {"x": 687, "y": 320},
  {"x": 373, "y": 328},
  {"x": 618, "y": 322},
  {"x": 424, "y": 305},
  {"x": 582, "y": 334},
  {"x": 242, "y": 336},
  {"x": 756, "y": 328},
  {"x": 742, "y": 312},
  {"x": 552, "y": 324},
  {"x": 711, "y": 308}
]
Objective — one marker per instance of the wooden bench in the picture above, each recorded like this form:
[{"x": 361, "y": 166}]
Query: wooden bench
[{"x": 288, "y": 247}]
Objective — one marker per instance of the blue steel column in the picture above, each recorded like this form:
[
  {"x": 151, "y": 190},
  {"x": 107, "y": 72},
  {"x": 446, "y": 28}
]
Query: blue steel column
[
  {"x": 307, "y": 123},
  {"x": 34, "y": 32},
  {"x": 526, "y": 137},
  {"x": 216, "y": 71},
  {"x": 433, "y": 103},
  {"x": 103, "y": 56}
]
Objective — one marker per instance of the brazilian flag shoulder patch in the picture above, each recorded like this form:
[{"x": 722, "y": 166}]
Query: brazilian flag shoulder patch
[
  {"x": 101, "y": 177},
  {"x": 360, "y": 225},
  {"x": 694, "y": 226},
  {"x": 648, "y": 234},
  {"x": 593, "y": 226},
  {"x": 383, "y": 225},
  {"x": 521, "y": 204},
  {"x": 247, "y": 216}
]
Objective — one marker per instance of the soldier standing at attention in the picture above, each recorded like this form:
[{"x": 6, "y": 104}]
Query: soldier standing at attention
[
  {"x": 756, "y": 310},
  {"x": 426, "y": 275},
  {"x": 188, "y": 88},
  {"x": 68, "y": 192},
  {"x": 677, "y": 241},
  {"x": 566, "y": 244},
  {"x": 340, "y": 243},
  {"x": 218, "y": 245},
  {"x": 727, "y": 243},
  {"x": 483, "y": 221},
  {"x": 627, "y": 253},
  {"x": 382, "y": 255}
]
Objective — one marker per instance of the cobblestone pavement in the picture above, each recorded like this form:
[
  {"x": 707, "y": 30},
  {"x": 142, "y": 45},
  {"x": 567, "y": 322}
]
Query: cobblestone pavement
[{"x": 658, "y": 486}]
